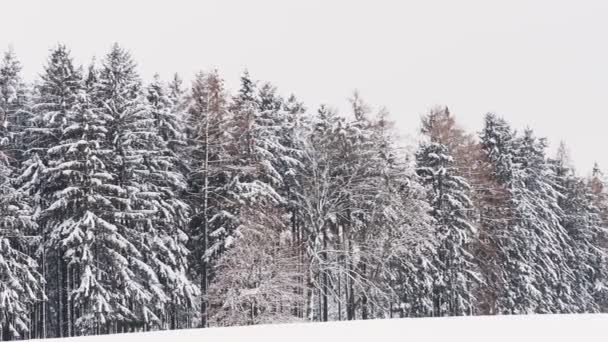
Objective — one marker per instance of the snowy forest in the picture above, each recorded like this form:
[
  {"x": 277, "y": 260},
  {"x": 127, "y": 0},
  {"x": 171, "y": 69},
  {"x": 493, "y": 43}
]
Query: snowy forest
[{"x": 130, "y": 206}]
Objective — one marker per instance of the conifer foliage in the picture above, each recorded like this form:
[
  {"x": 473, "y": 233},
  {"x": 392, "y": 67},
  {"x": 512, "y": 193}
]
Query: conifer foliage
[{"x": 133, "y": 205}]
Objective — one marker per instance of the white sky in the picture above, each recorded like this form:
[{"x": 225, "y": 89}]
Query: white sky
[{"x": 541, "y": 63}]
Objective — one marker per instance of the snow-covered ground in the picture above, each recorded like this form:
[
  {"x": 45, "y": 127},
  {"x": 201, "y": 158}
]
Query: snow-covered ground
[{"x": 571, "y": 328}]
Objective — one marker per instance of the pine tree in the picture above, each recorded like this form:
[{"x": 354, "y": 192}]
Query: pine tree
[
  {"x": 208, "y": 138},
  {"x": 535, "y": 197},
  {"x": 165, "y": 185},
  {"x": 55, "y": 99},
  {"x": 401, "y": 237},
  {"x": 443, "y": 172},
  {"x": 497, "y": 140},
  {"x": 13, "y": 102},
  {"x": 599, "y": 199},
  {"x": 451, "y": 206},
  {"x": 292, "y": 135},
  {"x": 176, "y": 91},
  {"x": 582, "y": 221},
  {"x": 510, "y": 268},
  {"x": 535, "y": 276},
  {"x": 254, "y": 146},
  {"x": 132, "y": 143},
  {"x": 79, "y": 221},
  {"x": 20, "y": 281}
]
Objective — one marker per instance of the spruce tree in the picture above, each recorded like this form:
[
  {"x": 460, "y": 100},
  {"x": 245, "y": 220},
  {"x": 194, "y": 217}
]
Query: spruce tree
[
  {"x": 13, "y": 103},
  {"x": 165, "y": 243},
  {"x": 582, "y": 221},
  {"x": 449, "y": 195},
  {"x": 21, "y": 284},
  {"x": 55, "y": 100},
  {"x": 208, "y": 136},
  {"x": 535, "y": 276},
  {"x": 451, "y": 206},
  {"x": 131, "y": 142},
  {"x": 535, "y": 198},
  {"x": 514, "y": 274},
  {"x": 401, "y": 238}
]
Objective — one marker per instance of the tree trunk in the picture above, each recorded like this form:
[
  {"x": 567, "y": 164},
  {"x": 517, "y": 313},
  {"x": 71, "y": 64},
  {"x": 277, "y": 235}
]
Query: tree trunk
[
  {"x": 68, "y": 302},
  {"x": 364, "y": 304},
  {"x": 6, "y": 333},
  {"x": 324, "y": 271}
]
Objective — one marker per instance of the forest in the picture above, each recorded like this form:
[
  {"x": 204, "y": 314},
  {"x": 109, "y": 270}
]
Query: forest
[{"x": 130, "y": 206}]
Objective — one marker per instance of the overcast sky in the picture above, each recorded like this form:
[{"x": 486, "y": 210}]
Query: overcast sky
[{"x": 542, "y": 64}]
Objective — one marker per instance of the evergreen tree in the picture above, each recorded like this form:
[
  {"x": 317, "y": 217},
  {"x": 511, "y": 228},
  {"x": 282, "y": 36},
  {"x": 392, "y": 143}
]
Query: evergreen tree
[
  {"x": 132, "y": 143},
  {"x": 165, "y": 184},
  {"x": 55, "y": 100},
  {"x": 13, "y": 102},
  {"x": 20, "y": 281},
  {"x": 208, "y": 138},
  {"x": 535, "y": 276},
  {"x": 535, "y": 198},
  {"x": 512, "y": 272},
  {"x": 449, "y": 196},
  {"x": 451, "y": 206},
  {"x": 401, "y": 230},
  {"x": 582, "y": 221},
  {"x": 176, "y": 91}
]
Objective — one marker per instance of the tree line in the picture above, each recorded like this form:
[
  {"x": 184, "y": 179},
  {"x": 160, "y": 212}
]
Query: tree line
[{"x": 127, "y": 206}]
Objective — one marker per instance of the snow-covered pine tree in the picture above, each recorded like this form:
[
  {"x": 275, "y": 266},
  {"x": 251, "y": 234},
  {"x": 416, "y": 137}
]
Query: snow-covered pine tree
[
  {"x": 583, "y": 223},
  {"x": 165, "y": 242},
  {"x": 20, "y": 281},
  {"x": 498, "y": 140},
  {"x": 176, "y": 91},
  {"x": 535, "y": 196},
  {"x": 178, "y": 98},
  {"x": 401, "y": 238},
  {"x": 510, "y": 269},
  {"x": 280, "y": 140},
  {"x": 448, "y": 195},
  {"x": 255, "y": 146},
  {"x": 597, "y": 187},
  {"x": 490, "y": 203},
  {"x": 597, "y": 182},
  {"x": 490, "y": 174},
  {"x": 208, "y": 137},
  {"x": 13, "y": 102},
  {"x": 55, "y": 98},
  {"x": 532, "y": 245},
  {"x": 168, "y": 122},
  {"x": 133, "y": 145},
  {"x": 91, "y": 78},
  {"x": 79, "y": 218},
  {"x": 292, "y": 136}
]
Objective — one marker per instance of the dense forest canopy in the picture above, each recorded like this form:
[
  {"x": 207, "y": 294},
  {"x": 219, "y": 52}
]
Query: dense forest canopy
[{"x": 131, "y": 206}]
